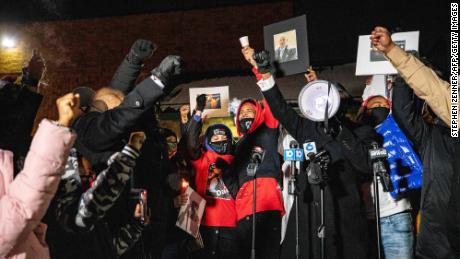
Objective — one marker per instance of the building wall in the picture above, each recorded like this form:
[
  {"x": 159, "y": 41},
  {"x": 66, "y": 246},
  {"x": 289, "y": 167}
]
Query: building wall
[{"x": 87, "y": 52}]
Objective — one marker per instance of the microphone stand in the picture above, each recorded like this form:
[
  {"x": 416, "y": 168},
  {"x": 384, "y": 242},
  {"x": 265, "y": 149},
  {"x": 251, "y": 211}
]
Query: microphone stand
[
  {"x": 377, "y": 208},
  {"x": 322, "y": 226},
  {"x": 251, "y": 170},
  {"x": 378, "y": 168},
  {"x": 293, "y": 191},
  {"x": 317, "y": 176}
]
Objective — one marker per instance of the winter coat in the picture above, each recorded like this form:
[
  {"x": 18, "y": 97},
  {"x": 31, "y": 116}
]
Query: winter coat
[
  {"x": 220, "y": 208},
  {"x": 153, "y": 169},
  {"x": 437, "y": 151},
  {"x": 102, "y": 134},
  {"x": 24, "y": 200},
  {"x": 263, "y": 133},
  {"x": 437, "y": 93},
  {"x": 424, "y": 81}
]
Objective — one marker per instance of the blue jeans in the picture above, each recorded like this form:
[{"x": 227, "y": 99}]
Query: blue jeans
[{"x": 397, "y": 236}]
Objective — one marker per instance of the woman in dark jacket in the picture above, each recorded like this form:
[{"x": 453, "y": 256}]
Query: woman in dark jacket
[{"x": 437, "y": 151}]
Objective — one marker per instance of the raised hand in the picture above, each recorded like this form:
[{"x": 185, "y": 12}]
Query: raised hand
[
  {"x": 381, "y": 39},
  {"x": 200, "y": 102},
  {"x": 248, "y": 53},
  {"x": 184, "y": 111},
  {"x": 36, "y": 65},
  {"x": 68, "y": 108},
  {"x": 137, "y": 139},
  {"x": 262, "y": 60},
  {"x": 311, "y": 75},
  {"x": 169, "y": 67},
  {"x": 140, "y": 51}
]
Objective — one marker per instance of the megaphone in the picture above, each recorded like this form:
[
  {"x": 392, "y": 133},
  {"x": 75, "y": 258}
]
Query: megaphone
[{"x": 315, "y": 97}]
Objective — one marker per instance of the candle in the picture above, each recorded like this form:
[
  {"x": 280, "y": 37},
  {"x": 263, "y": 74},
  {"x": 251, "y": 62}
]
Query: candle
[{"x": 184, "y": 185}]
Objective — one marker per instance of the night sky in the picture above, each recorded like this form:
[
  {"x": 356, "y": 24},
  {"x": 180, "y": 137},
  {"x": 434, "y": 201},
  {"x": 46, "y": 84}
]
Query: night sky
[{"x": 333, "y": 26}]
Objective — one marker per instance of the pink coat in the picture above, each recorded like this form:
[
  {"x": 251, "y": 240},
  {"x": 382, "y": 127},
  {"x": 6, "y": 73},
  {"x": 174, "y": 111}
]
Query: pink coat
[{"x": 24, "y": 200}]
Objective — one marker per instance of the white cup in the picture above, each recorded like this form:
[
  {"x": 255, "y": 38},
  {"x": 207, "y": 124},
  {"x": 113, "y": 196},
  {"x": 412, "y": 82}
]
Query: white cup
[{"x": 244, "y": 41}]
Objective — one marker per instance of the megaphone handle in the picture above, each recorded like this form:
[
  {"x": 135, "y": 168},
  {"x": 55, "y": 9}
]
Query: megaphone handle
[{"x": 326, "y": 111}]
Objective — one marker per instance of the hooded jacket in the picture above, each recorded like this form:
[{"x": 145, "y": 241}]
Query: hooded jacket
[
  {"x": 24, "y": 200},
  {"x": 437, "y": 151},
  {"x": 220, "y": 206},
  {"x": 263, "y": 133}
]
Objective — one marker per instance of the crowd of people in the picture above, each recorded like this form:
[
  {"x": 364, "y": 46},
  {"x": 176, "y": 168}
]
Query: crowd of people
[{"x": 108, "y": 180}]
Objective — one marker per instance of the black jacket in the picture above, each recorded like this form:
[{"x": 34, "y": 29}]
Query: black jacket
[
  {"x": 102, "y": 134},
  {"x": 263, "y": 133},
  {"x": 153, "y": 169},
  {"x": 18, "y": 107},
  {"x": 437, "y": 151},
  {"x": 345, "y": 220},
  {"x": 83, "y": 213}
]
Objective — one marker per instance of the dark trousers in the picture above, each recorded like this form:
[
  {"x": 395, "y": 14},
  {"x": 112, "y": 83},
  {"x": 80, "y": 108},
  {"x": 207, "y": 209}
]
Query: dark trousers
[
  {"x": 268, "y": 235},
  {"x": 219, "y": 243}
]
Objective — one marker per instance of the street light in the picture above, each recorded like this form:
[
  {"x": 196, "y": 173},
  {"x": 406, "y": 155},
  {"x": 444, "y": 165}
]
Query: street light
[{"x": 8, "y": 42}]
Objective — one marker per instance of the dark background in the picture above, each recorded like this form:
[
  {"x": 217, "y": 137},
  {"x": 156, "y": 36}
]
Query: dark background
[
  {"x": 84, "y": 41},
  {"x": 333, "y": 26}
]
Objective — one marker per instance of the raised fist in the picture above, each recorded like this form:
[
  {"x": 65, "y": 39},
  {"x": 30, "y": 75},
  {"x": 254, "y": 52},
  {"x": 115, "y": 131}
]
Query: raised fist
[
  {"x": 200, "y": 102},
  {"x": 36, "y": 65},
  {"x": 68, "y": 108},
  {"x": 381, "y": 39},
  {"x": 169, "y": 67},
  {"x": 137, "y": 139},
  {"x": 311, "y": 75},
  {"x": 262, "y": 60},
  {"x": 140, "y": 51}
]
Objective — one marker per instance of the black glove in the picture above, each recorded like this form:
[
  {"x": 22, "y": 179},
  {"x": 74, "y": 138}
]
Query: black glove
[
  {"x": 169, "y": 67},
  {"x": 140, "y": 51},
  {"x": 262, "y": 59},
  {"x": 334, "y": 126},
  {"x": 200, "y": 102}
]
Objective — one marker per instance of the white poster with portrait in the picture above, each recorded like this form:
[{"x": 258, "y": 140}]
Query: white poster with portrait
[
  {"x": 370, "y": 61},
  {"x": 217, "y": 100},
  {"x": 191, "y": 213}
]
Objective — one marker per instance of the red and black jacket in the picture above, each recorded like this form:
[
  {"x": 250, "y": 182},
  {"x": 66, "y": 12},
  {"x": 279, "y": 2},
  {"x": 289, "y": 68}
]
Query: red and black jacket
[
  {"x": 220, "y": 205},
  {"x": 263, "y": 133}
]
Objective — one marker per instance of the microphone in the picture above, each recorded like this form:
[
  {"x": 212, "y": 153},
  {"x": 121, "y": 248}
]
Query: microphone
[
  {"x": 257, "y": 156},
  {"x": 309, "y": 149},
  {"x": 319, "y": 161},
  {"x": 293, "y": 153},
  {"x": 377, "y": 156}
]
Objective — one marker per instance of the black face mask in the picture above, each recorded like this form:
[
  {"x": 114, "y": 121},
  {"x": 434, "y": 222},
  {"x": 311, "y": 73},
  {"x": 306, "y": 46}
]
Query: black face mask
[
  {"x": 377, "y": 116},
  {"x": 220, "y": 147},
  {"x": 245, "y": 124}
]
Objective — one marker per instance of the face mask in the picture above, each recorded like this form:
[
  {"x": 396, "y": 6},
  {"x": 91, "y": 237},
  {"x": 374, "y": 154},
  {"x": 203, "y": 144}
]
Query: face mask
[
  {"x": 245, "y": 124},
  {"x": 377, "y": 116},
  {"x": 219, "y": 146},
  {"x": 172, "y": 146}
]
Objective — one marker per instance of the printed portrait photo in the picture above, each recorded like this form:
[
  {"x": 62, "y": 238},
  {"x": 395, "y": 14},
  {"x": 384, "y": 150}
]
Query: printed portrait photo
[
  {"x": 285, "y": 46},
  {"x": 378, "y": 56}
]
